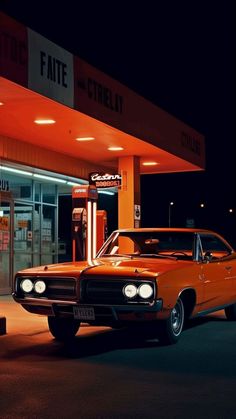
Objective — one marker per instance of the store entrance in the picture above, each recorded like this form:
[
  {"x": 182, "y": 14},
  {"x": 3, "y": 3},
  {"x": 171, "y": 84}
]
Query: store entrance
[
  {"x": 23, "y": 237},
  {"x": 6, "y": 249},
  {"x": 16, "y": 244}
]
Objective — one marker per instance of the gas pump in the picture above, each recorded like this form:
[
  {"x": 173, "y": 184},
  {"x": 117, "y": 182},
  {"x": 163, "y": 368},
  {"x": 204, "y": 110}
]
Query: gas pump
[
  {"x": 79, "y": 222},
  {"x": 84, "y": 222}
]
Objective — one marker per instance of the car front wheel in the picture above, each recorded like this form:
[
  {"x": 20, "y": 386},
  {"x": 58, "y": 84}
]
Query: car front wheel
[
  {"x": 230, "y": 312},
  {"x": 171, "y": 329},
  {"x": 63, "y": 328}
]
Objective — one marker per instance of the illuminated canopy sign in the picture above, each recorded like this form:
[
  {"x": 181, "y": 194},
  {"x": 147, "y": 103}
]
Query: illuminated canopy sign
[{"x": 105, "y": 180}]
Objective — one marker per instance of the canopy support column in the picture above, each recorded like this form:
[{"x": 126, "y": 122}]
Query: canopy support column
[{"x": 129, "y": 194}]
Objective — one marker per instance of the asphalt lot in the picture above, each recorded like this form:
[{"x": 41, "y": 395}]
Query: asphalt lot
[{"x": 108, "y": 373}]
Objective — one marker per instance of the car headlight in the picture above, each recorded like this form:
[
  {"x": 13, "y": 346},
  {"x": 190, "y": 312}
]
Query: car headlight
[
  {"x": 130, "y": 290},
  {"x": 26, "y": 285},
  {"x": 145, "y": 291},
  {"x": 39, "y": 287}
]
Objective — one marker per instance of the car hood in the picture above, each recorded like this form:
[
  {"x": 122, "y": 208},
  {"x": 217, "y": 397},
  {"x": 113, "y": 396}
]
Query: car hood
[
  {"x": 144, "y": 266},
  {"x": 111, "y": 266}
]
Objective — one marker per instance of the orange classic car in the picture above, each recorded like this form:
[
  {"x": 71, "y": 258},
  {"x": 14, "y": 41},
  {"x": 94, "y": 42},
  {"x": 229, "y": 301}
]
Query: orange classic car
[{"x": 151, "y": 277}]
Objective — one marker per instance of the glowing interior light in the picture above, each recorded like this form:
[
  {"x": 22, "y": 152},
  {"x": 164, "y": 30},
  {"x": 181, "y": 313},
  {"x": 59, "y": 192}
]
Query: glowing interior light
[
  {"x": 1, "y": 103},
  {"x": 73, "y": 183},
  {"x": 20, "y": 172},
  {"x": 94, "y": 250},
  {"x": 150, "y": 163},
  {"x": 115, "y": 148},
  {"x": 41, "y": 176},
  {"x": 49, "y": 178},
  {"x": 85, "y": 138},
  {"x": 89, "y": 231},
  {"x": 106, "y": 192},
  {"x": 44, "y": 121}
]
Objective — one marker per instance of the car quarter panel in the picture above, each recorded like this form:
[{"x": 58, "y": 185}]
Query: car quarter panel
[{"x": 219, "y": 280}]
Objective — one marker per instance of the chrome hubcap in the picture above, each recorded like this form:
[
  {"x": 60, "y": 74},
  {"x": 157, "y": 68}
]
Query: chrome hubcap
[{"x": 177, "y": 318}]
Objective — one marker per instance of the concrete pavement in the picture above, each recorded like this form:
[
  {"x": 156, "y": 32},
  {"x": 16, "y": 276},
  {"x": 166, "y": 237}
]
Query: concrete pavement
[{"x": 112, "y": 374}]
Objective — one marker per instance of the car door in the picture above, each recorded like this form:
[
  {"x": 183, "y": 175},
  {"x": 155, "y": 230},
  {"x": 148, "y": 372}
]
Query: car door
[{"x": 216, "y": 272}]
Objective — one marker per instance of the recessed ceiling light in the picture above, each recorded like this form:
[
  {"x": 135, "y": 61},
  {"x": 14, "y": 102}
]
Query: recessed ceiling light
[
  {"x": 85, "y": 139},
  {"x": 150, "y": 163},
  {"x": 115, "y": 148},
  {"x": 44, "y": 121}
]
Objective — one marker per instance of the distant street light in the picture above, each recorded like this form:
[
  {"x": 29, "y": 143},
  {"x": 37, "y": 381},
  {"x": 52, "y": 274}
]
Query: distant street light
[
  {"x": 231, "y": 210},
  {"x": 170, "y": 205},
  {"x": 202, "y": 215}
]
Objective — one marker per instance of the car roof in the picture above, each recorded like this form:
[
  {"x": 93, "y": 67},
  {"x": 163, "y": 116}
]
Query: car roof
[{"x": 174, "y": 230}]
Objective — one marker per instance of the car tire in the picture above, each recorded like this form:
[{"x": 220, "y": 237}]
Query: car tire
[
  {"x": 63, "y": 328},
  {"x": 171, "y": 329},
  {"x": 230, "y": 312}
]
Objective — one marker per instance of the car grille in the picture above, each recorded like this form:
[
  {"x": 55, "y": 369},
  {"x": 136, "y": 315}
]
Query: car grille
[
  {"x": 57, "y": 288},
  {"x": 96, "y": 290}
]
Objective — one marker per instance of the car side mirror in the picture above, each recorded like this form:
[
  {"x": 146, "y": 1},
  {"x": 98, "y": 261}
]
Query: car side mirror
[{"x": 207, "y": 256}]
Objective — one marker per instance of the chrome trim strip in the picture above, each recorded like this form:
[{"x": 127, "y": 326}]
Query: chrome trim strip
[
  {"x": 42, "y": 302},
  {"x": 211, "y": 310},
  {"x": 156, "y": 306}
]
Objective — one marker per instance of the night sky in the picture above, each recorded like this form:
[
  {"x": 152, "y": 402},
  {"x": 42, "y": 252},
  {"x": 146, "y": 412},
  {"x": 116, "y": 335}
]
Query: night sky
[{"x": 181, "y": 56}]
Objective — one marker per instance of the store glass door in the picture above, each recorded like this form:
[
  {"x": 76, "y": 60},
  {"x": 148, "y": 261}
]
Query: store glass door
[
  {"x": 6, "y": 211},
  {"x": 23, "y": 236}
]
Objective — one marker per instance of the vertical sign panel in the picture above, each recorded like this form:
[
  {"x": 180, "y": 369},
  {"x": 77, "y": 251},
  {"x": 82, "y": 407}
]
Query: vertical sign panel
[
  {"x": 13, "y": 50},
  {"x": 51, "y": 70}
]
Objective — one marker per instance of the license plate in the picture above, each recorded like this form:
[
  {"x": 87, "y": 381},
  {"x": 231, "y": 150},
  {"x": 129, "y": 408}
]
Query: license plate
[{"x": 83, "y": 313}]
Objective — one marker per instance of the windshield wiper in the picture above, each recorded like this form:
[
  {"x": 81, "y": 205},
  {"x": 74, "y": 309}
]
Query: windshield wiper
[
  {"x": 142, "y": 255},
  {"x": 155, "y": 255},
  {"x": 117, "y": 255}
]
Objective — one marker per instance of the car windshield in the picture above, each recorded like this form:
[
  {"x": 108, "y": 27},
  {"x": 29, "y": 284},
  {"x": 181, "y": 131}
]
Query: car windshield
[{"x": 149, "y": 244}]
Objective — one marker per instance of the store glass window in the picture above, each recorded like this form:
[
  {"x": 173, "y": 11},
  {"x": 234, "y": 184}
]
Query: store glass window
[
  {"x": 20, "y": 187},
  {"x": 23, "y": 238},
  {"x": 36, "y": 233},
  {"x": 28, "y": 223},
  {"x": 37, "y": 192},
  {"x": 5, "y": 246},
  {"x": 49, "y": 193},
  {"x": 48, "y": 235}
]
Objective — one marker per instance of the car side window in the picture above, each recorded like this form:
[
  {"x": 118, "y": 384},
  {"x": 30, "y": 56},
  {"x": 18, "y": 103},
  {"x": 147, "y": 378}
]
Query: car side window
[{"x": 213, "y": 248}]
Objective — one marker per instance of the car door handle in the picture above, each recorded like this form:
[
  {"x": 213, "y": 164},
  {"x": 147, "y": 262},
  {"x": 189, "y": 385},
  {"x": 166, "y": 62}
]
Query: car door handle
[{"x": 228, "y": 268}]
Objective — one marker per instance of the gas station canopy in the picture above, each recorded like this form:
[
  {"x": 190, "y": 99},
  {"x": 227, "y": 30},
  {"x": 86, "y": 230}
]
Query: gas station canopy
[{"x": 92, "y": 120}]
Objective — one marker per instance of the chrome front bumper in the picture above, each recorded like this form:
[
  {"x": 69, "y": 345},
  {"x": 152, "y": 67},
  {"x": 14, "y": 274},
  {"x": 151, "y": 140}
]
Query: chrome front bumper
[{"x": 129, "y": 312}]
